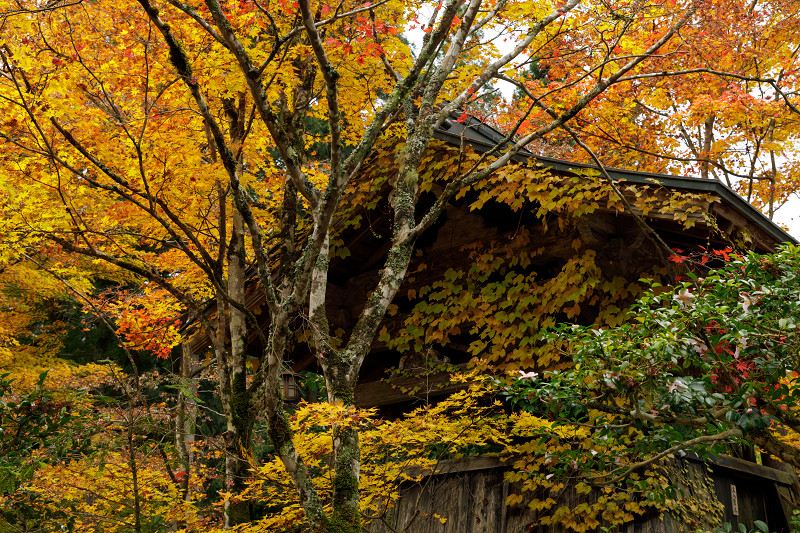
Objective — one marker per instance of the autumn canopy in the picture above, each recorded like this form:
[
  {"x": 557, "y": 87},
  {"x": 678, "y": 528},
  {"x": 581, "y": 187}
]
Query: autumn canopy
[{"x": 165, "y": 163}]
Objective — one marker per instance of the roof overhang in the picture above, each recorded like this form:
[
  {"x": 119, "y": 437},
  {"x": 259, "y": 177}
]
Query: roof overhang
[{"x": 483, "y": 138}]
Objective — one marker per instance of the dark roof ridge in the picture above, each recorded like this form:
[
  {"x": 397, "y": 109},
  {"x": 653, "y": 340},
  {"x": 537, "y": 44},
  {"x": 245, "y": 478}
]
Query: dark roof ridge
[{"x": 483, "y": 137}]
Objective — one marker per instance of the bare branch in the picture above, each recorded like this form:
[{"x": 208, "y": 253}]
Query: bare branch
[
  {"x": 332, "y": 92},
  {"x": 685, "y": 446},
  {"x": 181, "y": 63},
  {"x": 200, "y": 20}
]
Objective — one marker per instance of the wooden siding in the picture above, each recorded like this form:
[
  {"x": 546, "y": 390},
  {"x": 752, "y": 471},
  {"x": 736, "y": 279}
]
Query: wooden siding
[{"x": 470, "y": 495}]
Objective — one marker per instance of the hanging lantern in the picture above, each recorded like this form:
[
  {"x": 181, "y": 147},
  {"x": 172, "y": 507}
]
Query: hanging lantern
[{"x": 291, "y": 390}]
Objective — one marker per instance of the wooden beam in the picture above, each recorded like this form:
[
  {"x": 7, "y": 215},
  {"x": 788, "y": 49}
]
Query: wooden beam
[
  {"x": 405, "y": 388},
  {"x": 747, "y": 468},
  {"x": 457, "y": 466},
  {"x": 748, "y": 230}
]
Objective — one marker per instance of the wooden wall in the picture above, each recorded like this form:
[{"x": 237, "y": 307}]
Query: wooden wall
[{"x": 468, "y": 496}]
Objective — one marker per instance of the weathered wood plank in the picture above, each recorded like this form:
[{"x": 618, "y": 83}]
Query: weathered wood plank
[
  {"x": 471, "y": 494},
  {"x": 458, "y": 466}
]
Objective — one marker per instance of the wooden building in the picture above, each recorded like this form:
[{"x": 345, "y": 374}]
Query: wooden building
[
  {"x": 471, "y": 495},
  {"x": 685, "y": 213}
]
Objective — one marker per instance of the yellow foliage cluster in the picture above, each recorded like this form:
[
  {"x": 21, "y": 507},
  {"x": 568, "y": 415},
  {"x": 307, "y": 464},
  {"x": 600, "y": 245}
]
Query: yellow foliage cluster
[
  {"x": 392, "y": 453},
  {"x": 62, "y": 376},
  {"x": 102, "y": 495},
  {"x": 500, "y": 291},
  {"x": 406, "y": 451}
]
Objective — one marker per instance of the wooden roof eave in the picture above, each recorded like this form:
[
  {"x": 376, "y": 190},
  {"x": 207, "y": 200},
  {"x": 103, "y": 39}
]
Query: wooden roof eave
[
  {"x": 483, "y": 138},
  {"x": 738, "y": 214}
]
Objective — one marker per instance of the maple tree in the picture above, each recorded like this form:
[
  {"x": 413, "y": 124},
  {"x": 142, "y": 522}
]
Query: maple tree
[
  {"x": 177, "y": 144},
  {"x": 728, "y": 115}
]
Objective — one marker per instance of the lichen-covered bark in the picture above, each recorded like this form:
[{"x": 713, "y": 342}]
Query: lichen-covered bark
[
  {"x": 240, "y": 418},
  {"x": 279, "y": 428},
  {"x": 186, "y": 418},
  {"x": 238, "y": 450},
  {"x": 341, "y": 367},
  {"x": 346, "y": 517}
]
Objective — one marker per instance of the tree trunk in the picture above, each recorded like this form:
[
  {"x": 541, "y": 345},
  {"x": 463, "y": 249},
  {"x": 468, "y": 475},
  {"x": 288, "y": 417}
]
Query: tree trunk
[
  {"x": 239, "y": 434},
  {"x": 708, "y": 142},
  {"x": 186, "y": 418},
  {"x": 346, "y": 517}
]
